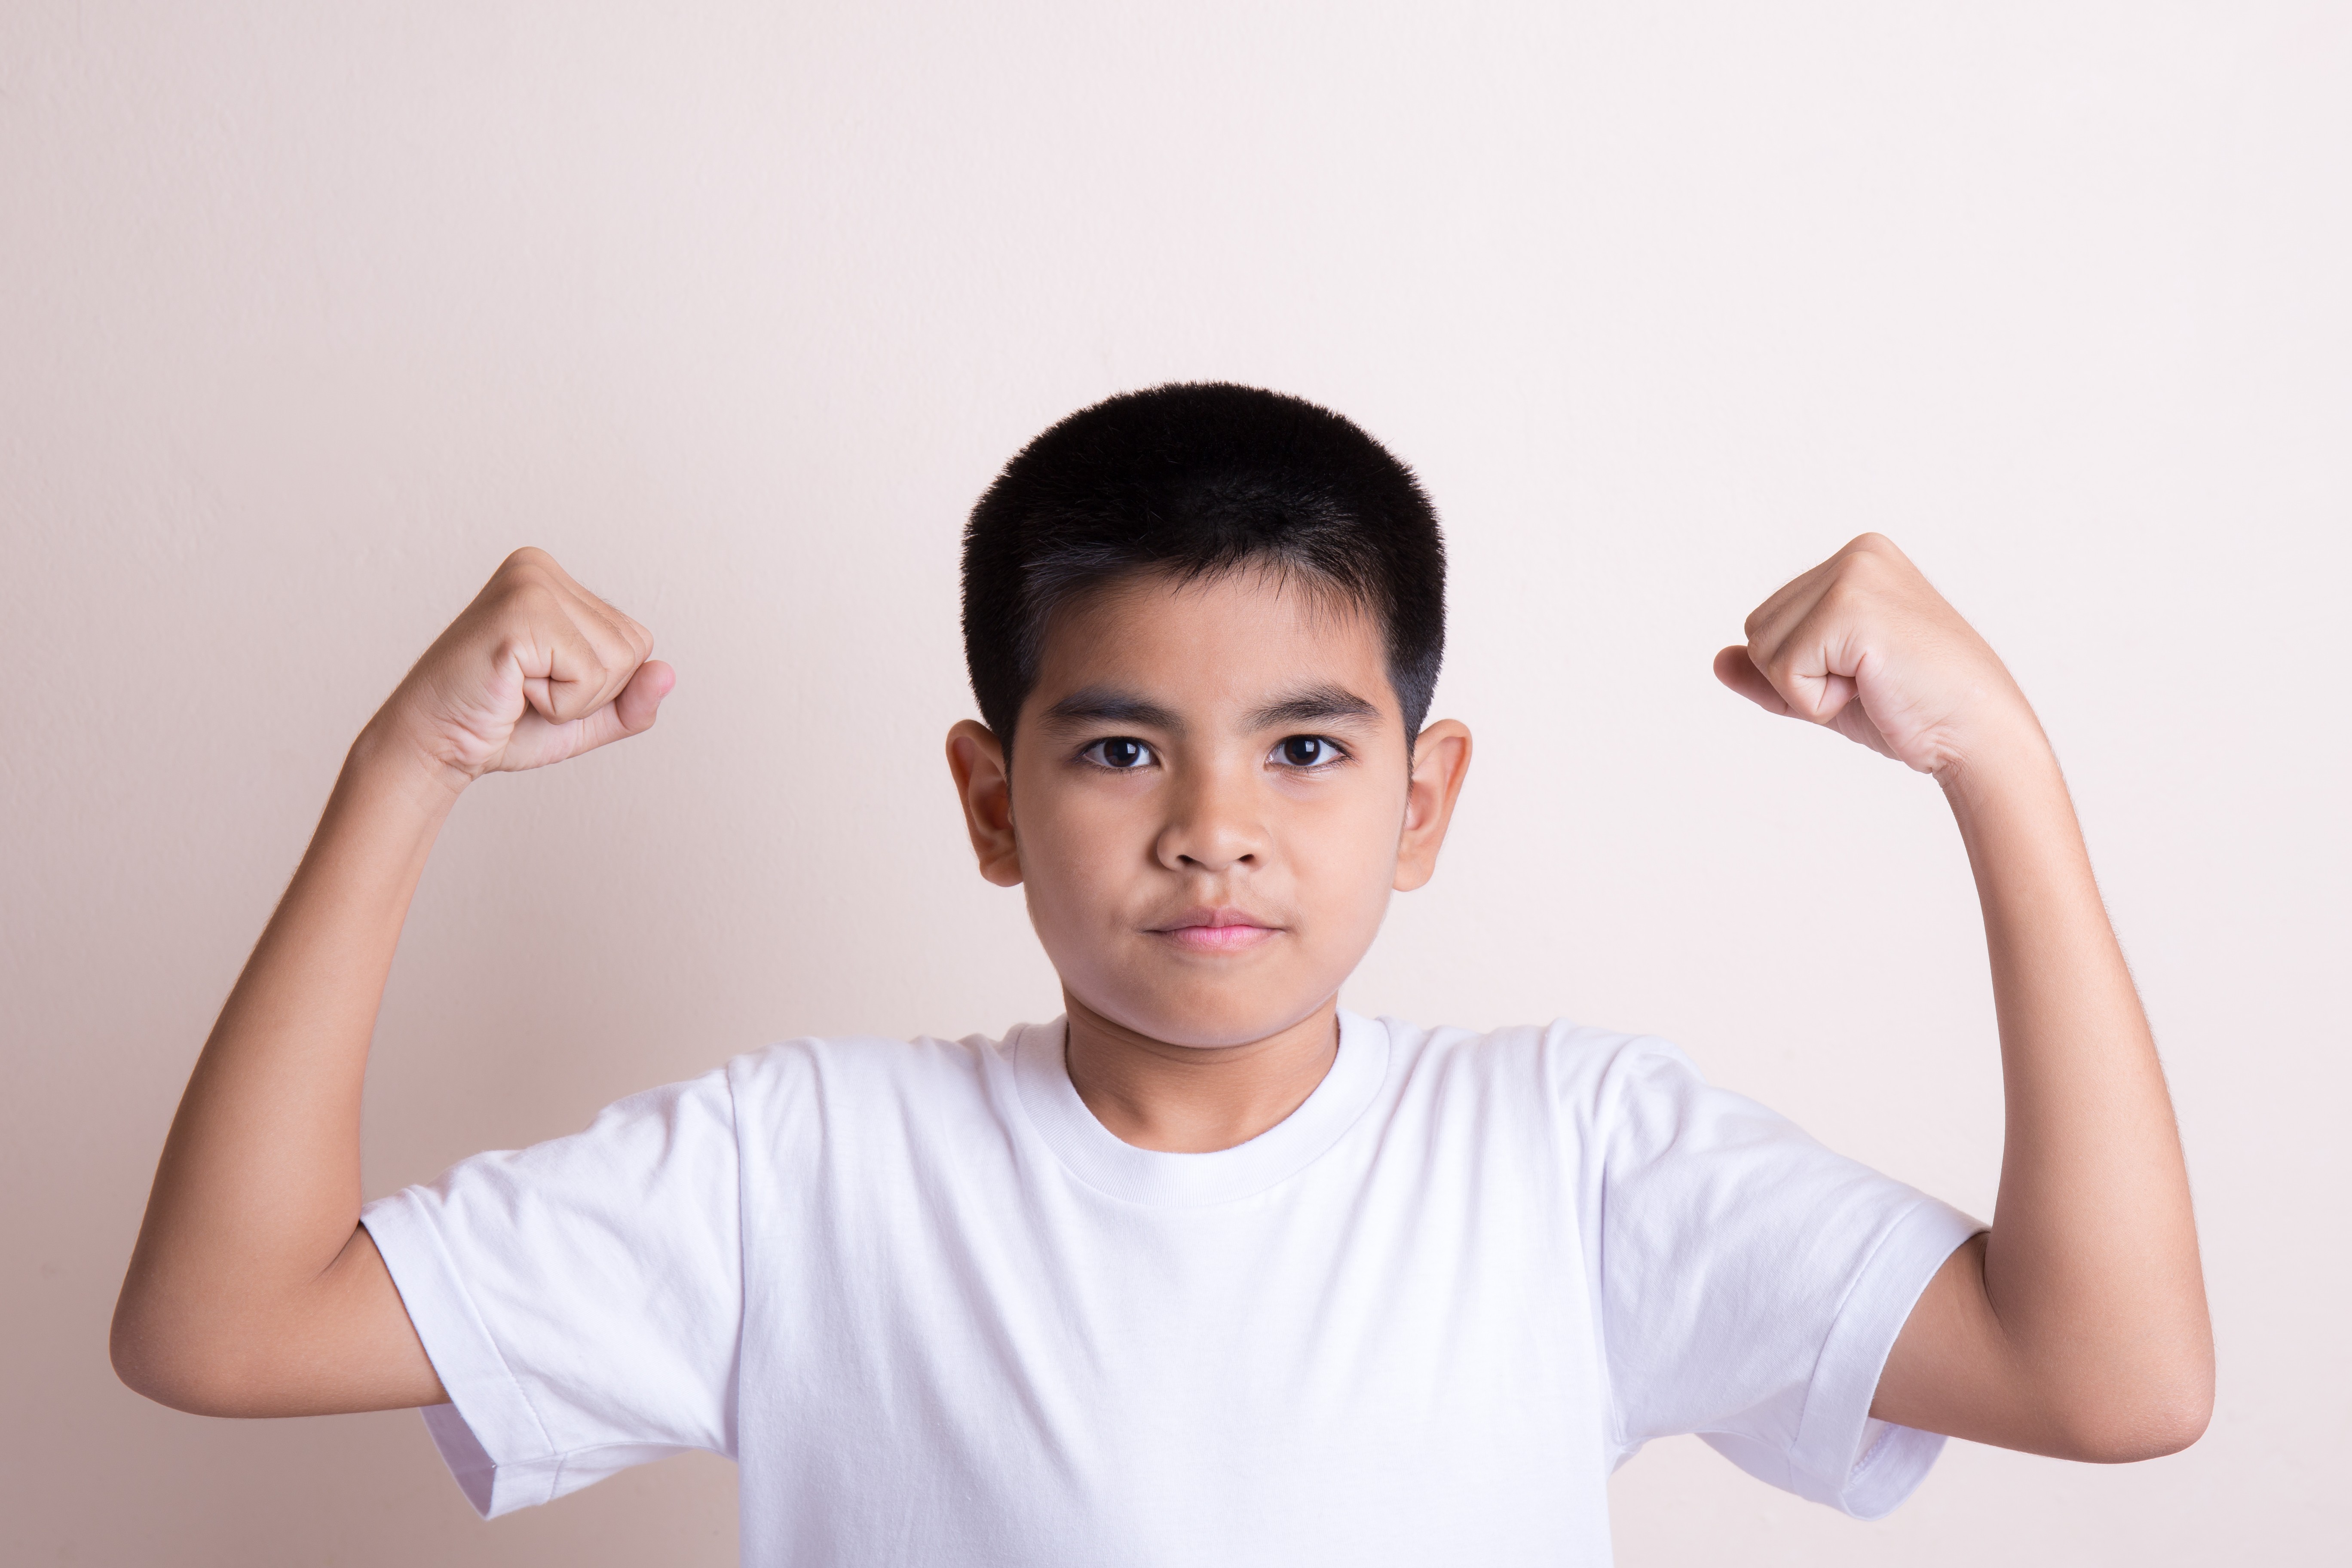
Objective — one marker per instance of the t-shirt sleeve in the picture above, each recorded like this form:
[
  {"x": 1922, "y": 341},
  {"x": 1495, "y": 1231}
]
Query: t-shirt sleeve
[
  {"x": 1751, "y": 1284},
  {"x": 581, "y": 1299}
]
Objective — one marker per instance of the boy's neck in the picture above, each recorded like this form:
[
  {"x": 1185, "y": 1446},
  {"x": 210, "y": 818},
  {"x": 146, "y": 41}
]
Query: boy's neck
[{"x": 1195, "y": 1100}]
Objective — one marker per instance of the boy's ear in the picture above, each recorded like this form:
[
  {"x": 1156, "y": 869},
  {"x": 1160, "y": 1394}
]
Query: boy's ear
[
  {"x": 985, "y": 789},
  {"x": 1441, "y": 759}
]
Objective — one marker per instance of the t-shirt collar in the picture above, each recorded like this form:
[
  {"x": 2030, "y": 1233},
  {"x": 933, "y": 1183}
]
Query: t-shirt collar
[{"x": 1098, "y": 1157}]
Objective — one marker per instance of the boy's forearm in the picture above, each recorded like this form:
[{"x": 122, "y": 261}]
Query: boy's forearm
[
  {"x": 257, "y": 1195},
  {"x": 2091, "y": 1272}
]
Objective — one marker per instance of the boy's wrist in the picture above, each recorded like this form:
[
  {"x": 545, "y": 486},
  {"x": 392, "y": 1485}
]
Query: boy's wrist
[
  {"x": 386, "y": 762},
  {"x": 2014, "y": 766}
]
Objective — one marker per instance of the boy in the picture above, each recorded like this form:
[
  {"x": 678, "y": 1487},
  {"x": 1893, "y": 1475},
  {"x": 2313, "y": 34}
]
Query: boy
[{"x": 1206, "y": 1269}]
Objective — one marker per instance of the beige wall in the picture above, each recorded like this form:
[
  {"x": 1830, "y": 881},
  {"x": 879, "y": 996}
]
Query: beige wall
[{"x": 308, "y": 313}]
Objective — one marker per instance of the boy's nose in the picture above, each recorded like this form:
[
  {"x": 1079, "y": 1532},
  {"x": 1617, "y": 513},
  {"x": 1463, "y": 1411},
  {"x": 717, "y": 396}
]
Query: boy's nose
[{"x": 1213, "y": 825}]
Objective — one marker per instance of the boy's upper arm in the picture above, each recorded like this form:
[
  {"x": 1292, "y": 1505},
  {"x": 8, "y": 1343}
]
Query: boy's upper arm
[
  {"x": 340, "y": 1343},
  {"x": 1949, "y": 1370},
  {"x": 371, "y": 1357}
]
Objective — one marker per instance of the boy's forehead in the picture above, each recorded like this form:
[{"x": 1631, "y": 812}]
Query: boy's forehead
[{"x": 1246, "y": 641}]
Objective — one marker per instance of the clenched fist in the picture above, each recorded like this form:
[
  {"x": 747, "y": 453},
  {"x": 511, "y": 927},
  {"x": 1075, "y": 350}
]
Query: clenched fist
[
  {"x": 1863, "y": 644},
  {"x": 536, "y": 669}
]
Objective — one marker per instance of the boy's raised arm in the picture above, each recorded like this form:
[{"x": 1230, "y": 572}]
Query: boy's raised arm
[
  {"x": 2078, "y": 1326},
  {"x": 252, "y": 1290}
]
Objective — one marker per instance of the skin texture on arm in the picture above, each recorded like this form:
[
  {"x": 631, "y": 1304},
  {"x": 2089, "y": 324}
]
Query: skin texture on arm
[
  {"x": 2078, "y": 1326},
  {"x": 253, "y": 1290}
]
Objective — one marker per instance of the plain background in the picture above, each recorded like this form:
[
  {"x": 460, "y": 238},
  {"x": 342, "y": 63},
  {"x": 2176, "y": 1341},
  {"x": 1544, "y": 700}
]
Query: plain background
[{"x": 308, "y": 314}]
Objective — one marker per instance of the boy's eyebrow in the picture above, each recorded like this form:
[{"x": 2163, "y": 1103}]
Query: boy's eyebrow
[
  {"x": 1315, "y": 705},
  {"x": 1105, "y": 705}
]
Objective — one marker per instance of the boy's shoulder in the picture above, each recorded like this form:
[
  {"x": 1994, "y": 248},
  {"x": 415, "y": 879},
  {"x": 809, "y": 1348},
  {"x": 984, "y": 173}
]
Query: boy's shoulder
[
  {"x": 853, "y": 1061},
  {"x": 1580, "y": 1059},
  {"x": 857, "y": 1068}
]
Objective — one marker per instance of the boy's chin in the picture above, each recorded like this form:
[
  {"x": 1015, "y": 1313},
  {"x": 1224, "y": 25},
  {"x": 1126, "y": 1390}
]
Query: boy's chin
[{"x": 1198, "y": 1022}]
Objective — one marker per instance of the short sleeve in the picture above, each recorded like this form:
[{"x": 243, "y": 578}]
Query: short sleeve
[
  {"x": 1752, "y": 1283},
  {"x": 581, "y": 1299}
]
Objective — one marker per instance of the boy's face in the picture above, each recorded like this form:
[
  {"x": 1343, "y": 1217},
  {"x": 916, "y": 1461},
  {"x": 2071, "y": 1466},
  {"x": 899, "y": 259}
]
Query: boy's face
[{"x": 1210, "y": 802}]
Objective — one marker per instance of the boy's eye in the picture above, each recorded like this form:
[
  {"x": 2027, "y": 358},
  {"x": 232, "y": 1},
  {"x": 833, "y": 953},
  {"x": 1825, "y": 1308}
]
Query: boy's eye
[
  {"x": 1121, "y": 752},
  {"x": 1306, "y": 751}
]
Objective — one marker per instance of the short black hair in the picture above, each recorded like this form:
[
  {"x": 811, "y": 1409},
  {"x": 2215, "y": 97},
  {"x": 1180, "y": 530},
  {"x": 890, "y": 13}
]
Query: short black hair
[{"x": 1197, "y": 479}]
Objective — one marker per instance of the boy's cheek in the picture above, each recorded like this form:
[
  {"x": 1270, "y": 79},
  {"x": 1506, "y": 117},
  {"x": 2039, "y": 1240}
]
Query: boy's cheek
[{"x": 1077, "y": 827}]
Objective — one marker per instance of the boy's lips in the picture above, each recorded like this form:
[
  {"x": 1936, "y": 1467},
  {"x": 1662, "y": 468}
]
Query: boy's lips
[{"x": 1215, "y": 930}]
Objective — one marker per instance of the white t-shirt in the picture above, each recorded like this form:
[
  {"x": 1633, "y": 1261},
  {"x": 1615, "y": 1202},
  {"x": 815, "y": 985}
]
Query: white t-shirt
[{"x": 940, "y": 1314}]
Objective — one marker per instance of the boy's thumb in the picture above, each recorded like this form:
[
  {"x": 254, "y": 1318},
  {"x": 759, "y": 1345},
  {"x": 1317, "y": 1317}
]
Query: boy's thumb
[
  {"x": 641, "y": 700},
  {"x": 1736, "y": 670}
]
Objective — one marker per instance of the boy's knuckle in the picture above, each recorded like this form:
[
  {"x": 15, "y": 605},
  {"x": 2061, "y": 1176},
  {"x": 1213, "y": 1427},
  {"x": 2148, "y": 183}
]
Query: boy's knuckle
[
  {"x": 534, "y": 601},
  {"x": 525, "y": 564},
  {"x": 1848, "y": 593}
]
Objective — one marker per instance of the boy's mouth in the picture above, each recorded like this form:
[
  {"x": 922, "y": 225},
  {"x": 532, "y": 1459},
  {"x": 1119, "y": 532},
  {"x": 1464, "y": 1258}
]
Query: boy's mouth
[{"x": 1215, "y": 930}]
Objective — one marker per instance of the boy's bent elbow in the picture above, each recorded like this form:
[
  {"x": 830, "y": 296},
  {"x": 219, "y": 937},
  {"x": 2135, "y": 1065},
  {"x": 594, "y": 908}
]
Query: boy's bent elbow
[
  {"x": 340, "y": 1343},
  {"x": 201, "y": 1383},
  {"x": 2160, "y": 1417},
  {"x": 156, "y": 1364},
  {"x": 145, "y": 1367},
  {"x": 2179, "y": 1429},
  {"x": 2167, "y": 1432},
  {"x": 182, "y": 1362}
]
